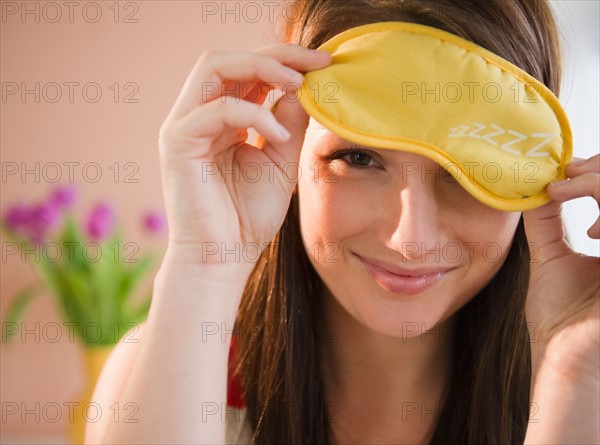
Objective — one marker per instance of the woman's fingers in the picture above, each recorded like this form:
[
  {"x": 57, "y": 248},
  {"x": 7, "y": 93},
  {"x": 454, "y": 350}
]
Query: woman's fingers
[
  {"x": 208, "y": 79},
  {"x": 586, "y": 184},
  {"x": 296, "y": 56},
  {"x": 594, "y": 231},
  {"x": 584, "y": 180},
  {"x": 222, "y": 97},
  {"x": 290, "y": 112},
  {"x": 210, "y": 120},
  {"x": 582, "y": 165}
]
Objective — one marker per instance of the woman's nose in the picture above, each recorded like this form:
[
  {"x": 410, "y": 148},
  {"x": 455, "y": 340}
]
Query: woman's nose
[{"x": 418, "y": 231}]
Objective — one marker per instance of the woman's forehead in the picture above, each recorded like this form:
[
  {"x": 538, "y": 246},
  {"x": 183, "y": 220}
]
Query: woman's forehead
[
  {"x": 315, "y": 125},
  {"x": 326, "y": 136}
]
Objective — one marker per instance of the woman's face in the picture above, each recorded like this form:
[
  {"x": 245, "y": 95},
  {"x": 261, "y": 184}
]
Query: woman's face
[{"x": 405, "y": 211}]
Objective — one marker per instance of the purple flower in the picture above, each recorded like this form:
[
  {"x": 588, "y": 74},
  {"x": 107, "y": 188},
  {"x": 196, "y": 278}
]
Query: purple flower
[
  {"x": 46, "y": 215},
  {"x": 100, "y": 222},
  {"x": 33, "y": 222},
  {"x": 63, "y": 196},
  {"x": 18, "y": 216},
  {"x": 154, "y": 222},
  {"x": 44, "y": 218}
]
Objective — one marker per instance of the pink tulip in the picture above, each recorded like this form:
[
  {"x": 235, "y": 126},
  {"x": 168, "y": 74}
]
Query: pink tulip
[
  {"x": 100, "y": 222},
  {"x": 64, "y": 196},
  {"x": 33, "y": 222},
  {"x": 45, "y": 217},
  {"x": 154, "y": 222},
  {"x": 18, "y": 216}
]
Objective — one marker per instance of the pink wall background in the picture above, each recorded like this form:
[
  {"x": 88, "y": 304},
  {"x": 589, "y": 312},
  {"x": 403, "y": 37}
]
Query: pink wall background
[{"x": 156, "y": 53}]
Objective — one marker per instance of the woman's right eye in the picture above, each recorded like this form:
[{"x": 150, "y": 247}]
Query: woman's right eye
[{"x": 357, "y": 158}]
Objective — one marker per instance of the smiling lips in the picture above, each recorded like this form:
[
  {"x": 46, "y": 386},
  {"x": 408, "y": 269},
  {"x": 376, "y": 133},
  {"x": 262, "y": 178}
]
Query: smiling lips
[{"x": 400, "y": 280}]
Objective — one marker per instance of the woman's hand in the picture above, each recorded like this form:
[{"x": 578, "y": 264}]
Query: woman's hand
[
  {"x": 563, "y": 309},
  {"x": 563, "y": 301},
  {"x": 220, "y": 192}
]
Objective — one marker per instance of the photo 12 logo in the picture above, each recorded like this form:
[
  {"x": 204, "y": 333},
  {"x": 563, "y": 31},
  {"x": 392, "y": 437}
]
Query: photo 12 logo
[
  {"x": 69, "y": 12},
  {"x": 53, "y": 172},
  {"x": 69, "y": 91}
]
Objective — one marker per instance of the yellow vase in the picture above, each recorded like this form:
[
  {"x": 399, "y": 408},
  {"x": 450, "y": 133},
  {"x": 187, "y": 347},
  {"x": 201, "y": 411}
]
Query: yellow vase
[{"x": 94, "y": 359}]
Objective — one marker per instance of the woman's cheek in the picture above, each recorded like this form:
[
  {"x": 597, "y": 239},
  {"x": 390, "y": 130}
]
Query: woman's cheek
[
  {"x": 494, "y": 235},
  {"x": 332, "y": 214}
]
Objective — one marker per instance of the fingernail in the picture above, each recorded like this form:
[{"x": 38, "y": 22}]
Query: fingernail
[
  {"x": 285, "y": 134},
  {"x": 320, "y": 52},
  {"x": 293, "y": 74},
  {"x": 559, "y": 183}
]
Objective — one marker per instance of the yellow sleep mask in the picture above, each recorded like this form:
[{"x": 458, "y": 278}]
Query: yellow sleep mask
[{"x": 501, "y": 133}]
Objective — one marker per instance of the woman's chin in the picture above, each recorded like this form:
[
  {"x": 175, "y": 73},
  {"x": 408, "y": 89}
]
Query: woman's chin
[{"x": 406, "y": 323}]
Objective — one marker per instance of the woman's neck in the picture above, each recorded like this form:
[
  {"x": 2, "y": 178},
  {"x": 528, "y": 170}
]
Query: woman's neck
[{"x": 382, "y": 389}]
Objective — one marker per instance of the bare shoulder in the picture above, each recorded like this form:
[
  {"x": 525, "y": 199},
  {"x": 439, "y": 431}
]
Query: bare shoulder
[{"x": 112, "y": 380}]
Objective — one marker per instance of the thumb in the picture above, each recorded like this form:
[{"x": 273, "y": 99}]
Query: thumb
[
  {"x": 545, "y": 232},
  {"x": 288, "y": 111}
]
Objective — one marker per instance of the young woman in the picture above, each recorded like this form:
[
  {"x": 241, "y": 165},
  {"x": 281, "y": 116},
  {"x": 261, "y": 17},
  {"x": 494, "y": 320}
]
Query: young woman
[{"x": 495, "y": 352}]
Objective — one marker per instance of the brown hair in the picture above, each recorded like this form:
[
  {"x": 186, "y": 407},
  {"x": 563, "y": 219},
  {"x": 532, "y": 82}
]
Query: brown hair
[{"x": 279, "y": 365}]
